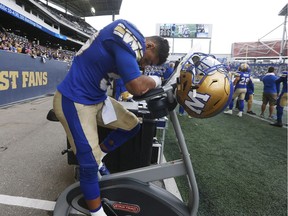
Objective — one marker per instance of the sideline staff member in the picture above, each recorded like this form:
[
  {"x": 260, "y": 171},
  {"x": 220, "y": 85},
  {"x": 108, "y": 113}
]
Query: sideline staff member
[
  {"x": 81, "y": 101},
  {"x": 282, "y": 100}
]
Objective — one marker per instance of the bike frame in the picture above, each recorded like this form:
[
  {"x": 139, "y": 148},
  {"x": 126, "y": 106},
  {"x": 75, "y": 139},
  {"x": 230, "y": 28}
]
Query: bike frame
[
  {"x": 156, "y": 172},
  {"x": 171, "y": 169}
]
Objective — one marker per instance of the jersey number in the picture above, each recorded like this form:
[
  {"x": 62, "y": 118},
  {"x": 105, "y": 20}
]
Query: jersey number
[{"x": 244, "y": 80}]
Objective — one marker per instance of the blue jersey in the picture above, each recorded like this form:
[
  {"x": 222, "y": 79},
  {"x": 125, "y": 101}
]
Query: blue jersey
[
  {"x": 269, "y": 83},
  {"x": 250, "y": 87},
  {"x": 282, "y": 79},
  {"x": 244, "y": 79},
  {"x": 168, "y": 73},
  {"x": 114, "y": 52},
  {"x": 119, "y": 88}
]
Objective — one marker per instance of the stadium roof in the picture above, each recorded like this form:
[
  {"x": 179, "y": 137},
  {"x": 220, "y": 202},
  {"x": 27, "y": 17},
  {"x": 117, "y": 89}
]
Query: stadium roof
[
  {"x": 83, "y": 8},
  {"x": 284, "y": 11}
]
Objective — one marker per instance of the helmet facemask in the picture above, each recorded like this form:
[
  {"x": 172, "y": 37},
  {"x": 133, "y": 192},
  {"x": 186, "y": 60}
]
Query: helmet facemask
[{"x": 203, "y": 88}]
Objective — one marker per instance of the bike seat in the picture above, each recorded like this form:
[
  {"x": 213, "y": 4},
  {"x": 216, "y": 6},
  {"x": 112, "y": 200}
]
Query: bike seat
[{"x": 51, "y": 116}]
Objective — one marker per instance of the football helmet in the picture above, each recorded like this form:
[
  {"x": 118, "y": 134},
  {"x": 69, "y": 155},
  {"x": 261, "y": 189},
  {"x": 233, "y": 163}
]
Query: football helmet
[
  {"x": 244, "y": 67},
  {"x": 204, "y": 88}
]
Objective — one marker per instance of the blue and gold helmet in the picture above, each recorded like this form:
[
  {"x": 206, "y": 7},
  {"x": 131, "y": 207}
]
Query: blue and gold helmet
[
  {"x": 204, "y": 88},
  {"x": 244, "y": 67}
]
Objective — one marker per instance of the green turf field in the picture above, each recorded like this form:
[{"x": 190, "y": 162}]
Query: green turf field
[
  {"x": 240, "y": 164},
  {"x": 258, "y": 89}
]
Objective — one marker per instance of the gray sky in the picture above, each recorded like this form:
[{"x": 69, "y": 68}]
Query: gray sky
[{"x": 232, "y": 20}]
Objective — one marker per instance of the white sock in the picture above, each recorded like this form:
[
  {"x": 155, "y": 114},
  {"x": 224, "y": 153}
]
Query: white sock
[{"x": 100, "y": 212}]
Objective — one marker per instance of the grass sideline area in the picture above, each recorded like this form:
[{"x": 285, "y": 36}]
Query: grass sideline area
[{"x": 240, "y": 163}]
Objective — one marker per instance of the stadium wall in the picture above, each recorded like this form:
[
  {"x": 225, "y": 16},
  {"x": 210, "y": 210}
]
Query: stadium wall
[{"x": 23, "y": 77}]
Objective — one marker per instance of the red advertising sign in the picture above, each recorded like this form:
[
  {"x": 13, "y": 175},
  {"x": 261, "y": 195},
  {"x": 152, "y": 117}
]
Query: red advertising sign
[{"x": 259, "y": 49}]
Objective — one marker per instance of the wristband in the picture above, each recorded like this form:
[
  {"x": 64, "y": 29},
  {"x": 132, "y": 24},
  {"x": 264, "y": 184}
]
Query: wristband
[{"x": 157, "y": 80}]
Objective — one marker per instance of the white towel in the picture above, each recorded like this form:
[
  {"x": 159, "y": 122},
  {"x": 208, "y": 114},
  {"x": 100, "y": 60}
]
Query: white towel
[{"x": 108, "y": 112}]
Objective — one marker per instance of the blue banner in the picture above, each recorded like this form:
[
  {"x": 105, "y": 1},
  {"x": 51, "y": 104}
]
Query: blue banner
[{"x": 23, "y": 77}]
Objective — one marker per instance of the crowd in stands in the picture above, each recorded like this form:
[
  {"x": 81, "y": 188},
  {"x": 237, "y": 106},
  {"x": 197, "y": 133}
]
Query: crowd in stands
[
  {"x": 155, "y": 70},
  {"x": 18, "y": 44},
  {"x": 258, "y": 70}
]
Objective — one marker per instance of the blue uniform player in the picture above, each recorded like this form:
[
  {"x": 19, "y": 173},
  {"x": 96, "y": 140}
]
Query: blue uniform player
[
  {"x": 168, "y": 72},
  {"x": 242, "y": 77},
  {"x": 282, "y": 98},
  {"x": 249, "y": 97},
  {"x": 269, "y": 92},
  {"x": 81, "y": 102}
]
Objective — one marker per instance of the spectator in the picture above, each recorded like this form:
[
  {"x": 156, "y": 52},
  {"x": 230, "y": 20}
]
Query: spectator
[
  {"x": 269, "y": 92},
  {"x": 19, "y": 48},
  {"x": 282, "y": 99}
]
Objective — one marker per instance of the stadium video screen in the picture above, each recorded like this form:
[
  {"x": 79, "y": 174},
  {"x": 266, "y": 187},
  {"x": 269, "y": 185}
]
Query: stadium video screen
[{"x": 184, "y": 30}]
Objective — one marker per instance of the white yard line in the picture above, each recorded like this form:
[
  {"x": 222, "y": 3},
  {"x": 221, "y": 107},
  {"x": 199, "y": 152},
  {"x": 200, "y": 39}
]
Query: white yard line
[{"x": 29, "y": 203}]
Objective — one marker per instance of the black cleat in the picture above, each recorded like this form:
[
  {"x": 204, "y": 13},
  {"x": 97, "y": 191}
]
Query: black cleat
[
  {"x": 251, "y": 112},
  {"x": 277, "y": 124}
]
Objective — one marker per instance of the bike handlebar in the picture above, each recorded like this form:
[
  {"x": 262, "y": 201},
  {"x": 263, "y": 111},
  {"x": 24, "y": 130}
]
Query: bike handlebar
[
  {"x": 150, "y": 94},
  {"x": 154, "y": 92}
]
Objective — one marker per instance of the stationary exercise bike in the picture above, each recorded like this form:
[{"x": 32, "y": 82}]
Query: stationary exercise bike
[{"x": 131, "y": 193}]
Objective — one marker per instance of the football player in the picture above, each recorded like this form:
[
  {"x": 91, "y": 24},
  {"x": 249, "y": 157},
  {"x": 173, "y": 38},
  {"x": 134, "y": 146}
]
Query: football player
[
  {"x": 81, "y": 102},
  {"x": 242, "y": 77},
  {"x": 282, "y": 98}
]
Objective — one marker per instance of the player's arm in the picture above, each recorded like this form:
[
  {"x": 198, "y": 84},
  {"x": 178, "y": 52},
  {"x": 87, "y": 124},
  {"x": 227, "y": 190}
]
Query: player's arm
[
  {"x": 142, "y": 84},
  {"x": 236, "y": 80},
  {"x": 135, "y": 83}
]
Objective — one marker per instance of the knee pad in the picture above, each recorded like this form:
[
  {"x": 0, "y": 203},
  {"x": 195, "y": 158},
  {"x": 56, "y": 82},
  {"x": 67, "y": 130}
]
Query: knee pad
[{"x": 118, "y": 137}]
